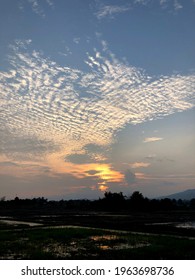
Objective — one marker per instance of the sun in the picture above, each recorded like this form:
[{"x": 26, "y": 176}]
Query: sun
[{"x": 103, "y": 188}]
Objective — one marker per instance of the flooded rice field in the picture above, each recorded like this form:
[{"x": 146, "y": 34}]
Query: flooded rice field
[
  {"x": 96, "y": 236},
  {"x": 66, "y": 242},
  {"x": 87, "y": 243}
]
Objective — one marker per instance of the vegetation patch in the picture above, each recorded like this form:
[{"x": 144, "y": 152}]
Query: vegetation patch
[{"x": 86, "y": 243}]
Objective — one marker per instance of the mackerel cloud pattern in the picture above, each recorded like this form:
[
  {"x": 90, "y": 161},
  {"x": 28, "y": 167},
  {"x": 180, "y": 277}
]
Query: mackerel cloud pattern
[{"x": 45, "y": 103}]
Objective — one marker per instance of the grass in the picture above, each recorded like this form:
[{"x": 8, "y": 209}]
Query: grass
[{"x": 85, "y": 243}]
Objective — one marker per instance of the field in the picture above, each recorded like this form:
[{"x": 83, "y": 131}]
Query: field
[{"x": 97, "y": 236}]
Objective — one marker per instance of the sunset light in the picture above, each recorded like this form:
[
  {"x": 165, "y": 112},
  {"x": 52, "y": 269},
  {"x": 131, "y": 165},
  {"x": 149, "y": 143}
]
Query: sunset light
[{"x": 90, "y": 91}]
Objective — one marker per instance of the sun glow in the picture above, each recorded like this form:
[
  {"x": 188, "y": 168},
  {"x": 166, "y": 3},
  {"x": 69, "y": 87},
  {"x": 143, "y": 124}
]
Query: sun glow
[
  {"x": 103, "y": 188},
  {"x": 106, "y": 173},
  {"x": 103, "y": 171}
]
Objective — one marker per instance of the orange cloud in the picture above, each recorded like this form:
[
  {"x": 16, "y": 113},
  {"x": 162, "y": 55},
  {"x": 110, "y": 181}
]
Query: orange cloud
[
  {"x": 102, "y": 171},
  {"x": 106, "y": 173}
]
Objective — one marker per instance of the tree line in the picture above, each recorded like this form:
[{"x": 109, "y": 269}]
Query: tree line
[{"x": 114, "y": 202}]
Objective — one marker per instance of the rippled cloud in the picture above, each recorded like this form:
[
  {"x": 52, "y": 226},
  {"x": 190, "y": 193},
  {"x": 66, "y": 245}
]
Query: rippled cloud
[{"x": 48, "y": 108}]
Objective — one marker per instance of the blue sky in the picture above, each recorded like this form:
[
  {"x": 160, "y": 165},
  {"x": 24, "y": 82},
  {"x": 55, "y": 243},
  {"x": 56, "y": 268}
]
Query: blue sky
[{"x": 96, "y": 96}]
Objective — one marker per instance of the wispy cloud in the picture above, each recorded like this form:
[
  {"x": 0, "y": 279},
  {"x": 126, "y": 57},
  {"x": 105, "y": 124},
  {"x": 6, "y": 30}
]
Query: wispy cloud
[
  {"x": 177, "y": 5},
  {"x": 36, "y": 6},
  {"x": 66, "y": 52},
  {"x": 139, "y": 164},
  {"x": 152, "y": 139},
  {"x": 151, "y": 157},
  {"x": 111, "y": 11},
  {"x": 162, "y": 2},
  {"x": 143, "y": 2},
  {"x": 165, "y": 176},
  {"x": 76, "y": 40},
  {"x": 50, "y": 3},
  {"x": 43, "y": 107}
]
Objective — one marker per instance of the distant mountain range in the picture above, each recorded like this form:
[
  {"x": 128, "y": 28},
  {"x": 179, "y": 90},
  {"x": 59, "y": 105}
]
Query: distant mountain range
[{"x": 185, "y": 195}]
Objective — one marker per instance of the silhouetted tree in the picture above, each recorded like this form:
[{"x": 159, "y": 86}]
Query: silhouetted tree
[
  {"x": 166, "y": 204},
  {"x": 137, "y": 201},
  {"x": 192, "y": 204},
  {"x": 114, "y": 196},
  {"x": 113, "y": 201}
]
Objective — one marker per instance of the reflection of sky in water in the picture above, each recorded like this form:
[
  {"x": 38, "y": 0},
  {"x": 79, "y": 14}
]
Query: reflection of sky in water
[
  {"x": 15, "y": 223},
  {"x": 178, "y": 225},
  {"x": 186, "y": 225}
]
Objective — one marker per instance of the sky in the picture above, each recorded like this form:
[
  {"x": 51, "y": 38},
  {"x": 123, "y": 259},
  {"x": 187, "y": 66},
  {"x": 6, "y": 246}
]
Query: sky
[{"x": 96, "y": 96}]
